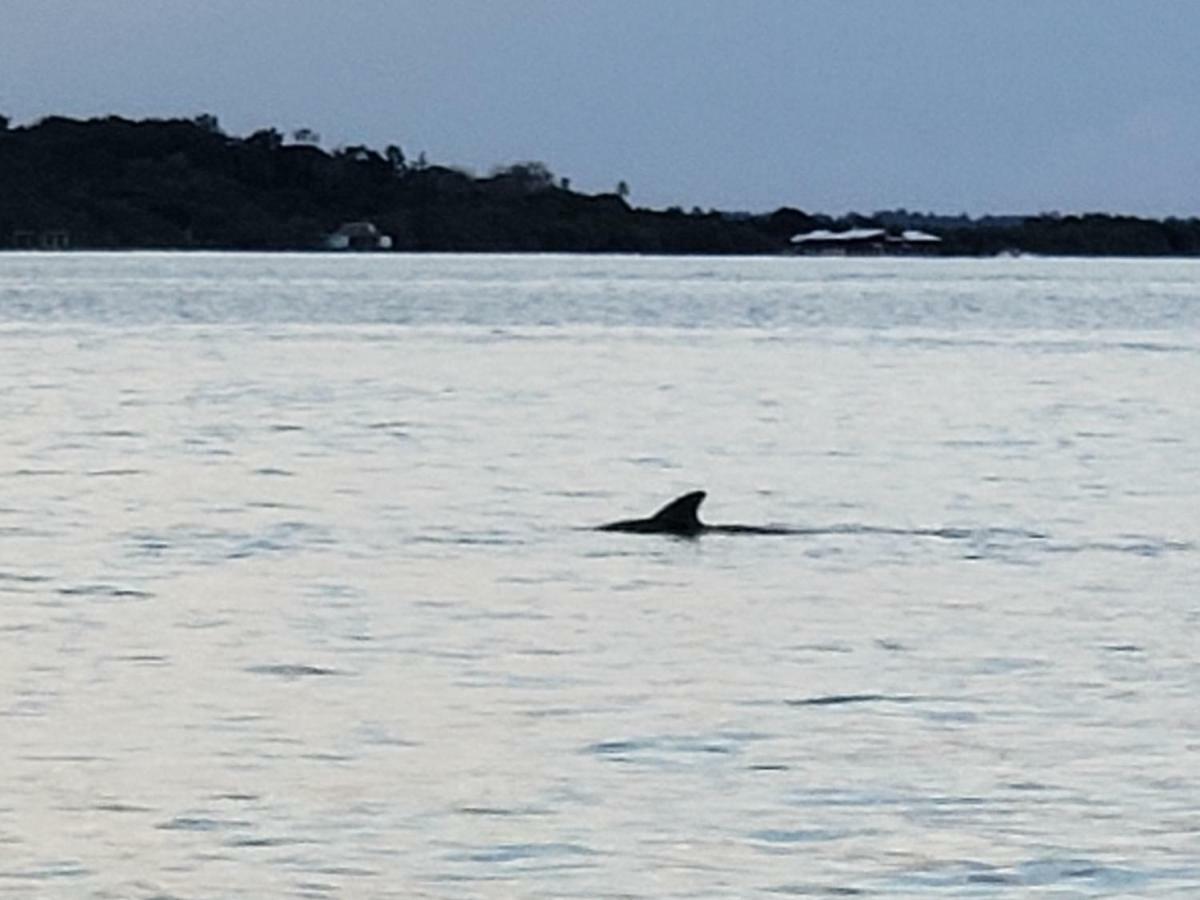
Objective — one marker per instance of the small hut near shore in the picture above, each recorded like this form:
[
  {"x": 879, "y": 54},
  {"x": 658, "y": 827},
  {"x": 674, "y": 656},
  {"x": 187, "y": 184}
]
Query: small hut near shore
[{"x": 358, "y": 236}]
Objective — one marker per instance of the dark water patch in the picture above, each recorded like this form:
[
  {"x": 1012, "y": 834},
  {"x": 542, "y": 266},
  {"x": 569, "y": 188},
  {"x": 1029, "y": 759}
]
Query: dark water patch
[
  {"x": 435, "y": 604},
  {"x": 941, "y": 800},
  {"x": 398, "y": 429},
  {"x": 636, "y": 585},
  {"x": 547, "y": 578},
  {"x": 491, "y": 876},
  {"x": 48, "y": 871},
  {"x": 796, "y": 836},
  {"x": 115, "y": 806},
  {"x": 113, "y": 473},
  {"x": 1027, "y": 786},
  {"x": 21, "y": 531},
  {"x": 271, "y": 471},
  {"x": 200, "y": 824},
  {"x": 21, "y": 578},
  {"x": 1107, "y": 877},
  {"x": 343, "y": 872},
  {"x": 33, "y": 473},
  {"x": 822, "y": 648},
  {"x": 290, "y": 670},
  {"x": 205, "y": 450},
  {"x": 1007, "y": 665},
  {"x": 236, "y": 797},
  {"x": 1045, "y": 873},
  {"x": 665, "y": 749},
  {"x": 1151, "y": 347},
  {"x": 848, "y": 798},
  {"x": 102, "y": 591},
  {"x": 615, "y": 553},
  {"x": 285, "y": 427},
  {"x": 379, "y": 736},
  {"x": 618, "y": 749},
  {"x": 847, "y": 699},
  {"x": 656, "y": 462},
  {"x": 891, "y": 646},
  {"x": 67, "y": 446},
  {"x": 256, "y": 842},
  {"x": 459, "y": 655},
  {"x": 486, "y": 539},
  {"x": 951, "y": 717},
  {"x": 501, "y": 812},
  {"x": 511, "y": 682},
  {"x": 255, "y": 547},
  {"x": 28, "y": 708},
  {"x": 543, "y": 651},
  {"x": 328, "y": 757},
  {"x": 768, "y": 767},
  {"x": 579, "y": 494},
  {"x": 606, "y": 748},
  {"x": 502, "y": 854},
  {"x": 317, "y": 889},
  {"x": 72, "y": 758},
  {"x": 20, "y": 628},
  {"x": 116, "y": 433},
  {"x": 1123, "y": 648},
  {"x": 975, "y": 443},
  {"x": 562, "y": 712},
  {"x": 501, "y": 615},
  {"x": 991, "y": 878},
  {"x": 207, "y": 546},
  {"x": 144, "y": 659},
  {"x": 815, "y": 890},
  {"x": 1133, "y": 545}
]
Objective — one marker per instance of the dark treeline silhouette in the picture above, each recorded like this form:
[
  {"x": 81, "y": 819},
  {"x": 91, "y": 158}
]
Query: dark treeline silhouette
[{"x": 112, "y": 183}]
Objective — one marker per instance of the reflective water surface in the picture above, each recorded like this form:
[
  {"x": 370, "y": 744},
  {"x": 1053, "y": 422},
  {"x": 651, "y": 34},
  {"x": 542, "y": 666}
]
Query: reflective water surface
[{"x": 298, "y": 596}]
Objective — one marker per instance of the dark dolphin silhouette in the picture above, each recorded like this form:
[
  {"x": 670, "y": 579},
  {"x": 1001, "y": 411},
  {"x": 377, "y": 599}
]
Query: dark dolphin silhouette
[
  {"x": 681, "y": 518},
  {"x": 677, "y": 517}
]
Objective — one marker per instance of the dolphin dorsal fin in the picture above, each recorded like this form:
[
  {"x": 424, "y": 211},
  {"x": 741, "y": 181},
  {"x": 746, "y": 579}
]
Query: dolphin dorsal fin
[{"x": 681, "y": 513}]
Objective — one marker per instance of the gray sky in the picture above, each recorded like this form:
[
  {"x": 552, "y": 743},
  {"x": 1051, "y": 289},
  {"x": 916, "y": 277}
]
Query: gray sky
[{"x": 828, "y": 105}]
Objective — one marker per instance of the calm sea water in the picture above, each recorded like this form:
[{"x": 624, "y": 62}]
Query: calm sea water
[{"x": 298, "y": 598}]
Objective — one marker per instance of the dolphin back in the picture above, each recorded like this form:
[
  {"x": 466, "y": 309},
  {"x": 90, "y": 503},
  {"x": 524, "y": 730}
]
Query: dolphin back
[{"x": 680, "y": 516}]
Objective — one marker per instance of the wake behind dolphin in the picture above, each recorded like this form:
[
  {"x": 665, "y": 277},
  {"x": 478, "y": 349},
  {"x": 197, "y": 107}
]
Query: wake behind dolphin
[{"x": 681, "y": 518}]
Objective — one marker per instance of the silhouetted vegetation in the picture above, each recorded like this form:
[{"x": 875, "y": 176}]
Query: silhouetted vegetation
[
  {"x": 1095, "y": 234},
  {"x": 113, "y": 183}
]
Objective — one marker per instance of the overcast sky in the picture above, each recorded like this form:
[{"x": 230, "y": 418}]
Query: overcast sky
[{"x": 828, "y": 105}]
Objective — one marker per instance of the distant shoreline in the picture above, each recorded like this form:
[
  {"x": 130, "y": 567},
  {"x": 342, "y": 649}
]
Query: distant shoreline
[
  {"x": 114, "y": 184},
  {"x": 10, "y": 253}
]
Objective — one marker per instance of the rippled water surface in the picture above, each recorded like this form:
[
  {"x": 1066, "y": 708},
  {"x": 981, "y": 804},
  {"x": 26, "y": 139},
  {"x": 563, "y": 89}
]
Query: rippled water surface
[{"x": 298, "y": 597}]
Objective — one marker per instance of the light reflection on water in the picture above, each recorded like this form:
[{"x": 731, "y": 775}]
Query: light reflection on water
[{"x": 297, "y": 599}]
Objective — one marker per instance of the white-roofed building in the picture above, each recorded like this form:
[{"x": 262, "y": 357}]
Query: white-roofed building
[{"x": 863, "y": 242}]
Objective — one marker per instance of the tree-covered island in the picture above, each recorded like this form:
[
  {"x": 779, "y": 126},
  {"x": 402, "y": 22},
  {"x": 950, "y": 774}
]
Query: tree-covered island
[{"x": 113, "y": 183}]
